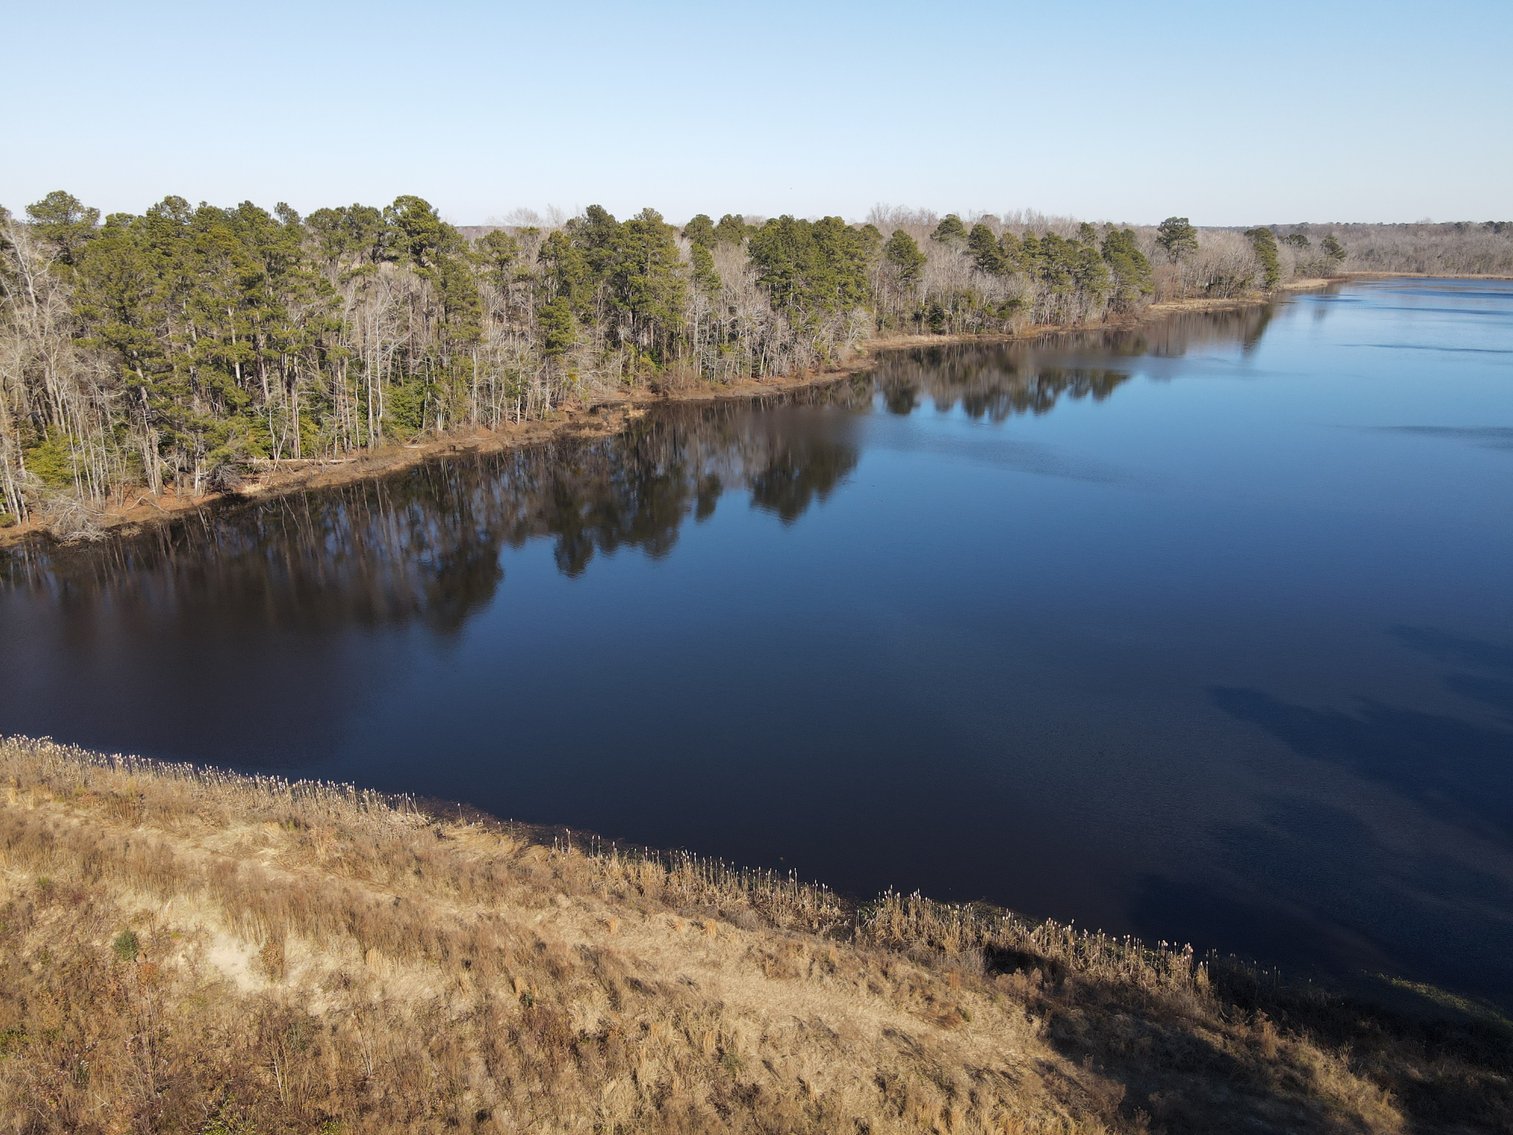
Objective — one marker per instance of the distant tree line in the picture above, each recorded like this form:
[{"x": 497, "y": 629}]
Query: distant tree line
[
  {"x": 1459, "y": 248},
  {"x": 191, "y": 345}
]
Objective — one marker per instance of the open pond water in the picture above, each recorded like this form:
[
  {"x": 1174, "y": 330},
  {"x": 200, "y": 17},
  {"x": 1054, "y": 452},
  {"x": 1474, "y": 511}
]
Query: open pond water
[{"x": 1202, "y": 631}]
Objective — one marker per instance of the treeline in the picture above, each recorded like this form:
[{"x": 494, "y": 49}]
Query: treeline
[
  {"x": 191, "y": 346},
  {"x": 1459, "y": 248}
]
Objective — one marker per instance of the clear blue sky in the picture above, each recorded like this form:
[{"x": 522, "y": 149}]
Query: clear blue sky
[{"x": 1104, "y": 109}]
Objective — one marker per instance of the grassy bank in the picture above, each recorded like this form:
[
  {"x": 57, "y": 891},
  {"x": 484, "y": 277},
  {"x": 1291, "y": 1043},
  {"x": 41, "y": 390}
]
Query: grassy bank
[{"x": 197, "y": 952}]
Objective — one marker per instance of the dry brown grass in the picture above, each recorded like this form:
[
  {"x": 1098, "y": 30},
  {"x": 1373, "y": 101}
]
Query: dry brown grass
[{"x": 194, "y": 952}]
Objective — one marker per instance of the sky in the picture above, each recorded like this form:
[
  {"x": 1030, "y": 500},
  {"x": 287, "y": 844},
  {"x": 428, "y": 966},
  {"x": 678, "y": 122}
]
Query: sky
[{"x": 1332, "y": 110}]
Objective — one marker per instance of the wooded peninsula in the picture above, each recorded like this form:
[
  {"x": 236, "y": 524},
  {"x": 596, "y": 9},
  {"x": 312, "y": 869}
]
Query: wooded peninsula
[{"x": 190, "y": 348}]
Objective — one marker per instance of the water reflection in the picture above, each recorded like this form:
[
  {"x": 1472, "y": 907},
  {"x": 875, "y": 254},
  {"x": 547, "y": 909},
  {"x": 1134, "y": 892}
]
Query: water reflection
[
  {"x": 425, "y": 545},
  {"x": 1014, "y": 382},
  {"x": 1179, "y": 335}
]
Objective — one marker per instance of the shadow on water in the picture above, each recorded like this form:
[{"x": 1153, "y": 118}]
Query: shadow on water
[
  {"x": 1315, "y": 884},
  {"x": 1456, "y": 648},
  {"x": 1453, "y": 768},
  {"x": 1313, "y": 887},
  {"x": 1494, "y": 691}
]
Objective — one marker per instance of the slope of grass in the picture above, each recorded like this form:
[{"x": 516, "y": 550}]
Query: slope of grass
[{"x": 190, "y": 951}]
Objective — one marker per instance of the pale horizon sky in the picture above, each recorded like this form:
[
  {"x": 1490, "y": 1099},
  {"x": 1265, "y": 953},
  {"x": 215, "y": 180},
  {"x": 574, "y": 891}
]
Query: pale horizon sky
[{"x": 1334, "y": 110}]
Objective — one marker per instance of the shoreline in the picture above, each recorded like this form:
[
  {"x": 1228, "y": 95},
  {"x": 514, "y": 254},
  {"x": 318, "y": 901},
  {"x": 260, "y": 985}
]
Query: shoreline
[
  {"x": 138, "y": 510},
  {"x": 975, "y": 920},
  {"x": 306, "y": 948},
  {"x": 1383, "y": 275}
]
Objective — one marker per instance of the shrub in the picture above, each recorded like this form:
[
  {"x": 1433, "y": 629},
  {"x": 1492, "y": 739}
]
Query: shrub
[{"x": 126, "y": 946}]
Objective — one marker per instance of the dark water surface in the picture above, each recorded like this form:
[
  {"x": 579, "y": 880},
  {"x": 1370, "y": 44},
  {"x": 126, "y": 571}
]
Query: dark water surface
[{"x": 1202, "y": 632}]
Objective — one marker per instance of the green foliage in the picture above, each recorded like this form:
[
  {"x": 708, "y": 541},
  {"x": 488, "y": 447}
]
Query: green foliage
[
  {"x": 732, "y": 230},
  {"x": 650, "y": 278},
  {"x": 1029, "y": 253},
  {"x": 461, "y": 308},
  {"x": 1177, "y": 237},
  {"x": 705, "y": 277},
  {"x": 64, "y": 223},
  {"x": 558, "y": 328},
  {"x": 234, "y": 443},
  {"x": 810, "y": 268},
  {"x": 126, "y": 946},
  {"x": 1067, "y": 266},
  {"x": 635, "y": 270},
  {"x": 950, "y": 230},
  {"x": 597, "y": 235},
  {"x": 119, "y": 275},
  {"x": 421, "y": 237},
  {"x": 51, "y": 462},
  {"x": 498, "y": 254},
  {"x": 565, "y": 272},
  {"x": 229, "y": 1119},
  {"x": 1129, "y": 270},
  {"x": 1263, "y": 243},
  {"x": 204, "y": 313},
  {"x": 1296, "y": 240},
  {"x": 987, "y": 253},
  {"x": 869, "y": 239},
  {"x": 905, "y": 256},
  {"x": 1333, "y": 248},
  {"x": 208, "y": 339},
  {"x": 405, "y": 407},
  {"x": 1010, "y": 252},
  {"x": 700, "y": 231},
  {"x": 349, "y": 232}
]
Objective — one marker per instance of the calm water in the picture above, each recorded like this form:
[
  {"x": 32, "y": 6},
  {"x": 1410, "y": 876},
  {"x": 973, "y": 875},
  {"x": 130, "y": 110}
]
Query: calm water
[{"x": 1203, "y": 632}]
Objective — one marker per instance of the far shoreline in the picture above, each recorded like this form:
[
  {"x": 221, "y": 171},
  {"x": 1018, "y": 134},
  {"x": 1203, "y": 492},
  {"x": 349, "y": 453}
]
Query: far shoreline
[{"x": 605, "y": 417}]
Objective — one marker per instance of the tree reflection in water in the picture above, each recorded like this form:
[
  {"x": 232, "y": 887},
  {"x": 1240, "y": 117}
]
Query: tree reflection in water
[{"x": 424, "y": 545}]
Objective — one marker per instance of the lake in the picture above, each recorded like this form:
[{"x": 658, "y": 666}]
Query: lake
[{"x": 1201, "y": 631}]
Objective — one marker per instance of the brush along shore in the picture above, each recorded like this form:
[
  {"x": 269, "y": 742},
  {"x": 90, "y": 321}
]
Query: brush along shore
[{"x": 186, "y": 950}]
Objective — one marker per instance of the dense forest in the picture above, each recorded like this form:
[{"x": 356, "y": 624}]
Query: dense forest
[{"x": 189, "y": 347}]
